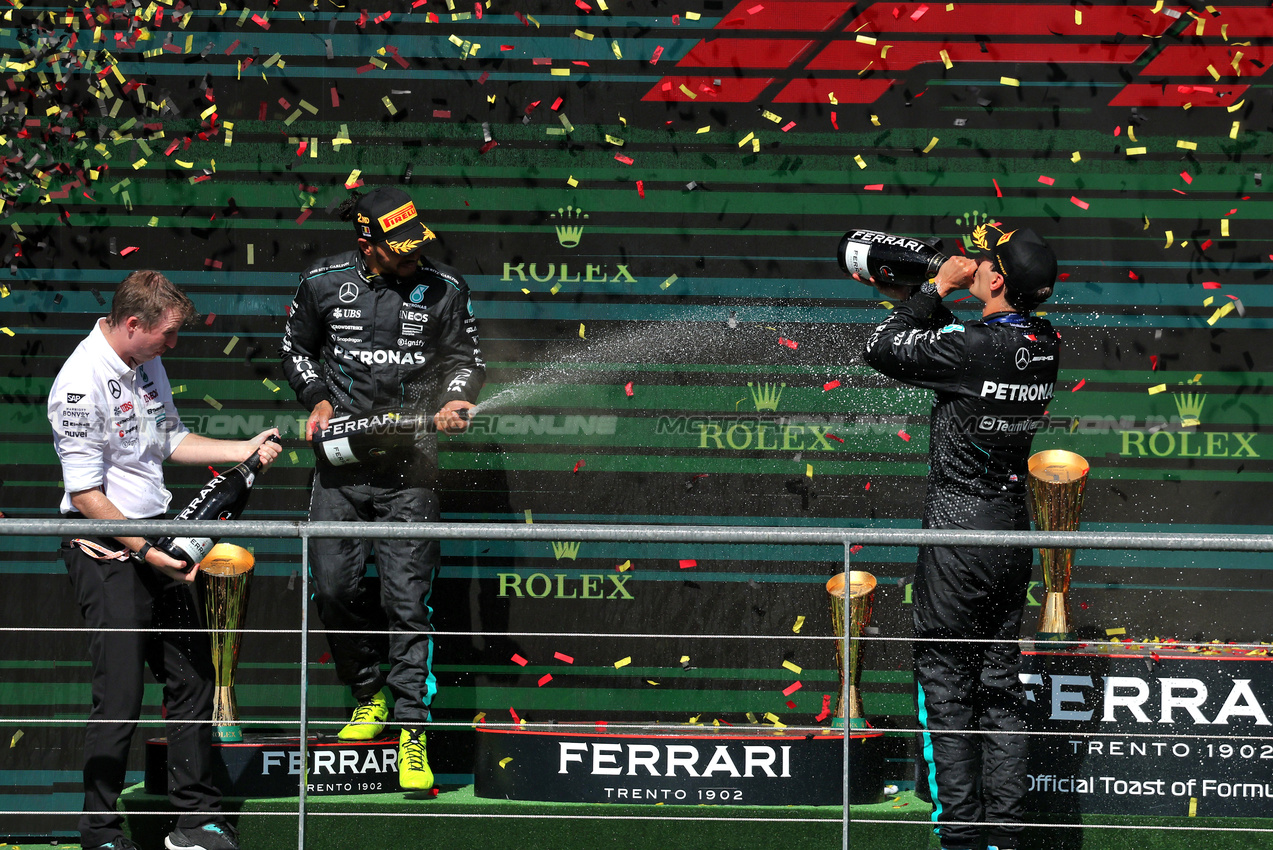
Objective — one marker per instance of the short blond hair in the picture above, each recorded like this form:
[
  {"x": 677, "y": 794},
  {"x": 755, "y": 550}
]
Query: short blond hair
[{"x": 148, "y": 295}]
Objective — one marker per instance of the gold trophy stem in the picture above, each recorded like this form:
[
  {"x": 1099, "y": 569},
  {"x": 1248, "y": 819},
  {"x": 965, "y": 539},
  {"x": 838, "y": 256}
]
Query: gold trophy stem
[
  {"x": 1057, "y": 481},
  {"x": 226, "y": 573},
  {"x": 861, "y": 594},
  {"x": 1056, "y": 614}
]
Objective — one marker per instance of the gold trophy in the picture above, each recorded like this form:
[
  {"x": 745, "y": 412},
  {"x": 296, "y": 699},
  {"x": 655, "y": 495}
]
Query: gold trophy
[
  {"x": 861, "y": 593},
  {"x": 226, "y": 575},
  {"x": 1057, "y": 481}
]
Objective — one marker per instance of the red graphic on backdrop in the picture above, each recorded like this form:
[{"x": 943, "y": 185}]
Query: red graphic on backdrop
[{"x": 809, "y": 51}]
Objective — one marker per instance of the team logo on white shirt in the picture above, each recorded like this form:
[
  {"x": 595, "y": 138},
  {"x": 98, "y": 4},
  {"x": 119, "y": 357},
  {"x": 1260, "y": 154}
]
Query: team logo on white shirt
[
  {"x": 74, "y": 398},
  {"x": 114, "y": 387}
]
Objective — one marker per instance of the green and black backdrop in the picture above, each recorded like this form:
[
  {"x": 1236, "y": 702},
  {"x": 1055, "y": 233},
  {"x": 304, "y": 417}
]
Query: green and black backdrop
[{"x": 645, "y": 198}]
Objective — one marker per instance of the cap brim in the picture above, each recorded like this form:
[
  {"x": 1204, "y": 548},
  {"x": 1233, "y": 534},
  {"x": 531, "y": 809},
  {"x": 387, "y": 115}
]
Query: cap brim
[{"x": 409, "y": 238}]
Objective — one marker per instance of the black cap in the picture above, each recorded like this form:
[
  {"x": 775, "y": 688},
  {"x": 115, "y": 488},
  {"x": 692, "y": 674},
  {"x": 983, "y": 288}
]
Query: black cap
[
  {"x": 387, "y": 216},
  {"x": 1025, "y": 261}
]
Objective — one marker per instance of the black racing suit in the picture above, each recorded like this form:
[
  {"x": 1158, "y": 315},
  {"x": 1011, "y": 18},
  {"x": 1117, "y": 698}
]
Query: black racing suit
[
  {"x": 993, "y": 377},
  {"x": 369, "y": 342}
]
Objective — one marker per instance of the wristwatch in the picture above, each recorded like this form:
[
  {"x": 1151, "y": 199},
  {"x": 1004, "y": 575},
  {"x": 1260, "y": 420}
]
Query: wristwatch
[
  {"x": 145, "y": 547},
  {"x": 930, "y": 288}
]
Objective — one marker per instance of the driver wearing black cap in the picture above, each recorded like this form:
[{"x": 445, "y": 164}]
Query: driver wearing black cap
[
  {"x": 992, "y": 378},
  {"x": 382, "y": 328}
]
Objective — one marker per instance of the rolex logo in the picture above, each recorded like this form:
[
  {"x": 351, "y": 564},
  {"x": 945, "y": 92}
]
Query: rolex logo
[
  {"x": 1190, "y": 408},
  {"x": 569, "y": 232},
  {"x": 565, "y": 550},
  {"x": 765, "y": 396}
]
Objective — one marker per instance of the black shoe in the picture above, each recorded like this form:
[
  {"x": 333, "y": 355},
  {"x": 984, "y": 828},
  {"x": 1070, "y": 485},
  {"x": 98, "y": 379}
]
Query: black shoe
[
  {"x": 210, "y": 836},
  {"x": 121, "y": 843}
]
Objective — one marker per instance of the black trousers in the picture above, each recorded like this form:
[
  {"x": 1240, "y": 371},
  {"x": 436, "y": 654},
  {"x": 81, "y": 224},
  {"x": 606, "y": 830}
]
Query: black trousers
[
  {"x": 406, "y": 569},
  {"x": 972, "y": 687},
  {"x": 125, "y": 595}
]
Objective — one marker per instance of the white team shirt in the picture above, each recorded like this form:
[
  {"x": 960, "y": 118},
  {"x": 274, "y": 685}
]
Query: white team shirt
[{"x": 113, "y": 427}]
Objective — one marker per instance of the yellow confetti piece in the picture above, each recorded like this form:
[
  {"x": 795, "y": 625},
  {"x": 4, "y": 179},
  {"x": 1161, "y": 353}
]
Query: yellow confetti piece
[
  {"x": 1215, "y": 75},
  {"x": 865, "y": 39},
  {"x": 17, "y": 736},
  {"x": 858, "y": 159},
  {"x": 179, "y": 389},
  {"x": 525, "y": 291},
  {"x": 1233, "y": 131},
  {"x": 799, "y": 624},
  {"x": 808, "y": 470},
  {"x": 555, "y": 288},
  {"x": 1207, "y": 301},
  {"x": 529, "y": 521},
  {"x": 755, "y": 145},
  {"x": 581, "y": 335},
  {"x": 560, "y": 72},
  {"x": 1157, "y": 7},
  {"x": 1131, "y": 132},
  {"x": 1193, "y": 807},
  {"x": 270, "y": 385},
  {"x": 692, "y": 16},
  {"x": 625, "y": 566},
  {"x": 234, "y": 340},
  {"x": 1169, "y": 238},
  {"x": 1078, "y": 17},
  {"x": 1221, "y": 313},
  {"x": 769, "y": 116},
  {"x": 504, "y": 762},
  {"x": 614, "y": 46},
  {"x": 139, "y": 164},
  {"x": 945, "y": 60},
  {"x": 747, "y": 139},
  {"x": 1161, "y": 388},
  {"x": 1076, "y": 156},
  {"x": 671, "y": 280},
  {"x": 685, "y": 91},
  {"x": 1224, "y": 227},
  {"x": 1009, "y": 81},
  {"x": 393, "y": 110},
  {"x": 1137, "y": 151},
  {"x": 794, "y": 668},
  {"x": 1112, "y": 632},
  {"x": 7, "y": 332},
  {"x": 831, "y": 97},
  {"x": 614, "y": 140},
  {"x": 875, "y": 120},
  {"x": 651, "y": 682},
  {"x": 586, "y": 36},
  {"x": 212, "y": 402},
  {"x": 1188, "y": 146},
  {"x": 251, "y": 254},
  {"x": 623, "y": 662},
  {"x": 773, "y": 718},
  {"x": 931, "y": 145}
]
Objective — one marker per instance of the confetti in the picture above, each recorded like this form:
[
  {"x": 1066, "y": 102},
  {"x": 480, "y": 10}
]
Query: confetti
[
  {"x": 627, "y": 389},
  {"x": 1160, "y": 388},
  {"x": 545, "y": 679},
  {"x": 830, "y": 385},
  {"x": 234, "y": 340},
  {"x": 791, "y": 689},
  {"x": 794, "y": 668},
  {"x": 904, "y": 436},
  {"x": 519, "y": 661},
  {"x": 1079, "y": 385},
  {"x": 504, "y": 762},
  {"x": 17, "y": 736},
  {"x": 561, "y": 656},
  {"x": 1045, "y": 180},
  {"x": 623, "y": 662},
  {"x": 1080, "y": 204},
  {"x": 687, "y": 563},
  {"x": 799, "y": 624}
]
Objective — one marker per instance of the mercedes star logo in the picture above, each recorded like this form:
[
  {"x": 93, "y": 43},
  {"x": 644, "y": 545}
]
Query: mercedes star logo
[
  {"x": 348, "y": 293},
  {"x": 1023, "y": 357}
]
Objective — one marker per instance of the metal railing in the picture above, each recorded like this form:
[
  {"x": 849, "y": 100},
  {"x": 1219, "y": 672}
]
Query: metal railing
[{"x": 845, "y": 537}]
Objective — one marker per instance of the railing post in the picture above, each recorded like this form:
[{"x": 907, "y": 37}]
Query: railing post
[
  {"x": 844, "y": 674},
  {"x": 300, "y": 805}
]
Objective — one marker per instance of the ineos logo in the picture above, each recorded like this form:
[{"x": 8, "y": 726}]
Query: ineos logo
[
  {"x": 1023, "y": 358},
  {"x": 348, "y": 293}
]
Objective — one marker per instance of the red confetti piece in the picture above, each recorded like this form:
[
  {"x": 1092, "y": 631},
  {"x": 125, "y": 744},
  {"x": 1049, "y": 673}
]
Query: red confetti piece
[
  {"x": 1205, "y": 245},
  {"x": 791, "y": 689},
  {"x": 441, "y": 113},
  {"x": 1079, "y": 385},
  {"x": 303, "y": 146},
  {"x": 998, "y": 191},
  {"x": 640, "y": 184},
  {"x": 830, "y": 385},
  {"x": 325, "y": 658},
  {"x": 578, "y": 465},
  {"x": 335, "y": 97},
  {"x": 128, "y": 250},
  {"x": 868, "y": 486},
  {"x": 853, "y": 550},
  {"x": 1118, "y": 130},
  {"x": 626, "y": 160},
  {"x": 228, "y": 50},
  {"x": 519, "y": 661},
  {"x": 688, "y": 562},
  {"x": 1132, "y": 275},
  {"x": 1187, "y": 177},
  {"x": 209, "y": 319},
  {"x": 583, "y": 5},
  {"x": 545, "y": 679},
  {"x": 1211, "y": 284},
  {"x": 790, "y": 343},
  {"x": 627, "y": 388},
  {"x": 904, "y": 436},
  {"x": 506, "y": 47},
  {"x": 556, "y": 104},
  {"x": 834, "y": 437},
  {"x": 1046, "y": 181},
  {"x": 833, "y": 121},
  {"x": 874, "y": 187},
  {"x": 1063, "y": 277},
  {"x": 513, "y": 712},
  {"x": 1080, "y": 204},
  {"x": 676, "y": 20},
  {"x": 486, "y": 147},
  {"x": 658, "y": 51},
  {"x": 561, "y": 656},
  {"x": 790, "y": 704},
  {"x": 1153, "y": 362},
  {"x": 788, "y": 126},
  {"x": 826, "y": 707},
  {"x": 260, "y": 113},
  {"x": 264, "y": 24}
]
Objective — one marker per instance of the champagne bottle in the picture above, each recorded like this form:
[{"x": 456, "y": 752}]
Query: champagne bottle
[
  {"x": 224, "y": 497},
  {"x": 357, "y": 439},
  {"x": 890, "y": 259}
]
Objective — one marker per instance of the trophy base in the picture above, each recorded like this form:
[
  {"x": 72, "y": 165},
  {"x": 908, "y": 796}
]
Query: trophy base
[
  {"x": 1051, "y": 636},
  {"x": 854, "y": 723},
  {"x": 229, "y": 733}
]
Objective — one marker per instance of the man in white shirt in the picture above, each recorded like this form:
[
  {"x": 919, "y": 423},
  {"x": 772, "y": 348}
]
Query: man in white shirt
[{"x": 114, "y": 423}]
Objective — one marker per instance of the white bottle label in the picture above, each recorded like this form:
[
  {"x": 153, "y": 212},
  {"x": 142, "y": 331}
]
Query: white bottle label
[
  {"x": 196, "y": 547},
  {"x": 338, "y": 452},
  {"x": 855, "y": 254}
]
